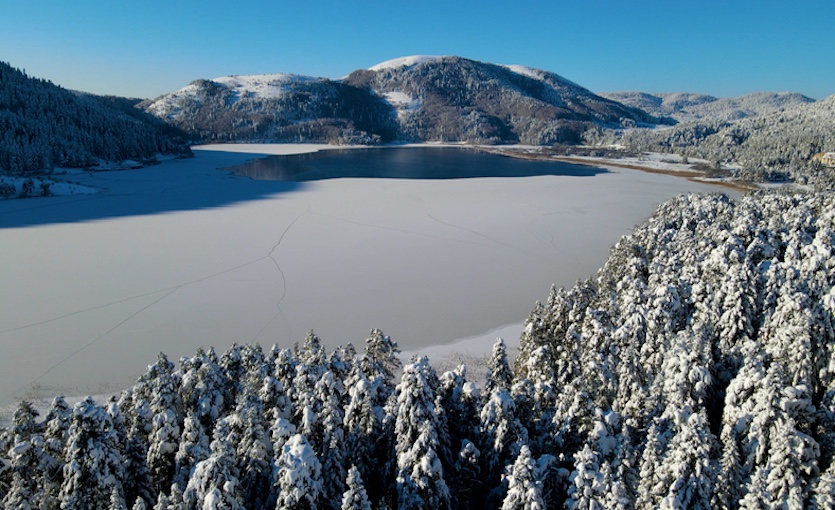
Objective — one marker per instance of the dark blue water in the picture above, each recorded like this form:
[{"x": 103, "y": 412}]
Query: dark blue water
[{"x": 404, "y": 163}]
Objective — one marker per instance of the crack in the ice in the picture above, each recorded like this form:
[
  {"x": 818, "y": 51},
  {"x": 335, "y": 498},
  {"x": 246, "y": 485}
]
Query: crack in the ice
[
  {"x": 280, "y": 311},
  {"x": 131, "y": 298},
  {"x": 479, "y": 234},
  {"x": 168, "y": 292},
  {"x": 90, "y": 343}
]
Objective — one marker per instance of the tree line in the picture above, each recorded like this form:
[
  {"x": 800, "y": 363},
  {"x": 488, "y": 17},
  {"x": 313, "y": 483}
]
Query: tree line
[{"x": 43, "y": 126}]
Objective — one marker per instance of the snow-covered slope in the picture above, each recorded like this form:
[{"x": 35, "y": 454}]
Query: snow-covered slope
[
  {"x": 257, "y": 86},
  {"x": 276, "y": 107},
  {"x": 264, "y": 86},
  {"x": 409, "y": 61}
]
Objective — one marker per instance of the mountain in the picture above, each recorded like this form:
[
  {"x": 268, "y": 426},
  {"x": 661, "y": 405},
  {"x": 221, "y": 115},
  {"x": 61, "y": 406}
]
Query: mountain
[
  {"x": 684, "y": 107},
  {"x": 276, "y": 107},
  {"x": 43, "y": 126},
  {"x": 457, "y": 99},
  {"x": 417, "y": 98},
  {"x": 772, "y": 146}
]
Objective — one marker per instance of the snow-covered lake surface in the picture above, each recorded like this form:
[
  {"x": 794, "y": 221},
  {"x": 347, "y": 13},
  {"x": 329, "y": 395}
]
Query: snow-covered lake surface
[{"x": 180, "y": 255}]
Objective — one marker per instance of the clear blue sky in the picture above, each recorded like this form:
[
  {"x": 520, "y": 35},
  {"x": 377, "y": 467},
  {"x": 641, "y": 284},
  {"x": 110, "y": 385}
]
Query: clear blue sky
[{"x": 150, "y": 47}]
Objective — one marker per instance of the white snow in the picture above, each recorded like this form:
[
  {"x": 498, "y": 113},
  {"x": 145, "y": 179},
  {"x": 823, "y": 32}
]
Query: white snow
[
  {"x": 537, "y": 74},
  {"x": 263, "y": 86},
  {"x": 179, "y": 255},
  {"x": 530, "y": 72},
  {"x": 412, "y": 60},
  {"x": 168, "y": 102},
  {"x": 57, "y": 186},
  {"x": 401, "y": 99},
  {"x": 402, "y": 102}
]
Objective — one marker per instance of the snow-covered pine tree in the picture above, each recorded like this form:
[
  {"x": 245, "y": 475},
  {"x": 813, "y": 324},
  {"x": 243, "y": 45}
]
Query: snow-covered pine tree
[
  {"x": 689, "y": 468},
  {"x": 167, "y": 408},
  {"x": 355, "y": 497},
  {"x": 330, "y": 445},
  {"x": 192, "y": 449},
  {"x": 253, "y": 452},
  {"x": 298, "y": 476},
  {"x": 214, "y": 482},
  {"x": 539, "y": 398},
  {"x": 524, "y": 490},
  {"x": 419, "y": 434},
  {"x": 203, "y": 388},
  {"x": 23, "y": 492},
  {"x": 94, "y": 466},
  {"x": 586, "y": 489},
  {"x": 499, "y": 374},
  {"x": 380, "y": 356},
  {"x": 56, "y": 427},
  {"x": 465, "y": 483},
  {"x": 502, "y": 436},
  {"x": 138, "y": 484},
  {"x": 363, "y": 426}
]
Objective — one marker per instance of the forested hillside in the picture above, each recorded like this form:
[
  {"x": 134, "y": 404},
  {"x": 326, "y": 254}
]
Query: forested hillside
[
  {"x": 43, "y": 126},
  {"x": 696, "y": 371},
  {"x": 458, "y": 99},
  {"x": 769, "y": 147},
  {"x": 684, "y": 107},
  {"x": 276, "y": 108}
]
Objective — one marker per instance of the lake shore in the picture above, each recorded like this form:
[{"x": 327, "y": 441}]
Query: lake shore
[{"x": 656, "y": 163}]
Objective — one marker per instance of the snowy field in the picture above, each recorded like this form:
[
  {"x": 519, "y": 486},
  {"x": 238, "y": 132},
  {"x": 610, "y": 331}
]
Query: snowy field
[{"x": 180, "y": 255}]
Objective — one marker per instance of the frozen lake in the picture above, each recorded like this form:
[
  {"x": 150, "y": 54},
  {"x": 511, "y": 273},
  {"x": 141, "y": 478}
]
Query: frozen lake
[{"x": 180, "y": 255}]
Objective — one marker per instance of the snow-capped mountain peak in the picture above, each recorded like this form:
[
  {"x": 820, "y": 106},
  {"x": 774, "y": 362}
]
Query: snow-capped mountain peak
[{"x": 409, "y": 61}]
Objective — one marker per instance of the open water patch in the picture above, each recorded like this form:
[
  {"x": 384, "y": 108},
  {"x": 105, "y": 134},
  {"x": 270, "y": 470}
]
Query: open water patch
[{"x": 404, "y": 163}]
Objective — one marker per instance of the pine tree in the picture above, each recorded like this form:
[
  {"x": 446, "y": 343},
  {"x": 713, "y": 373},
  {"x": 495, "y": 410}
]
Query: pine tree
[
  {"x": 166, "y": 406},
  {"x": 419, "y": 430},
  {"x": 355, "y": 497},
  {"x": 137, "y": 484},
  {"x": 56, "y": 431},
  {"x": 466, "y": 484},
  {"x": 204, "y": 388},
  {"x": 214, "y": 482},
  {"x": 363, "y": 428},
  {"x": 253, "y": 452},
  {"x": 193, "y": 448},
  {"x": 298, "y": 477},
  {"x": 502, "y": 437},
  {"x": 329, "y": 391},
  {"x": 499, "y": 374},
  {"x": 23, "y": 459},
  {"x": 587, "y": 485},
  {"x": 688, "y": 469},
  {"x": 94, "y": 466},
  {"x": 524, "y": 490}
]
